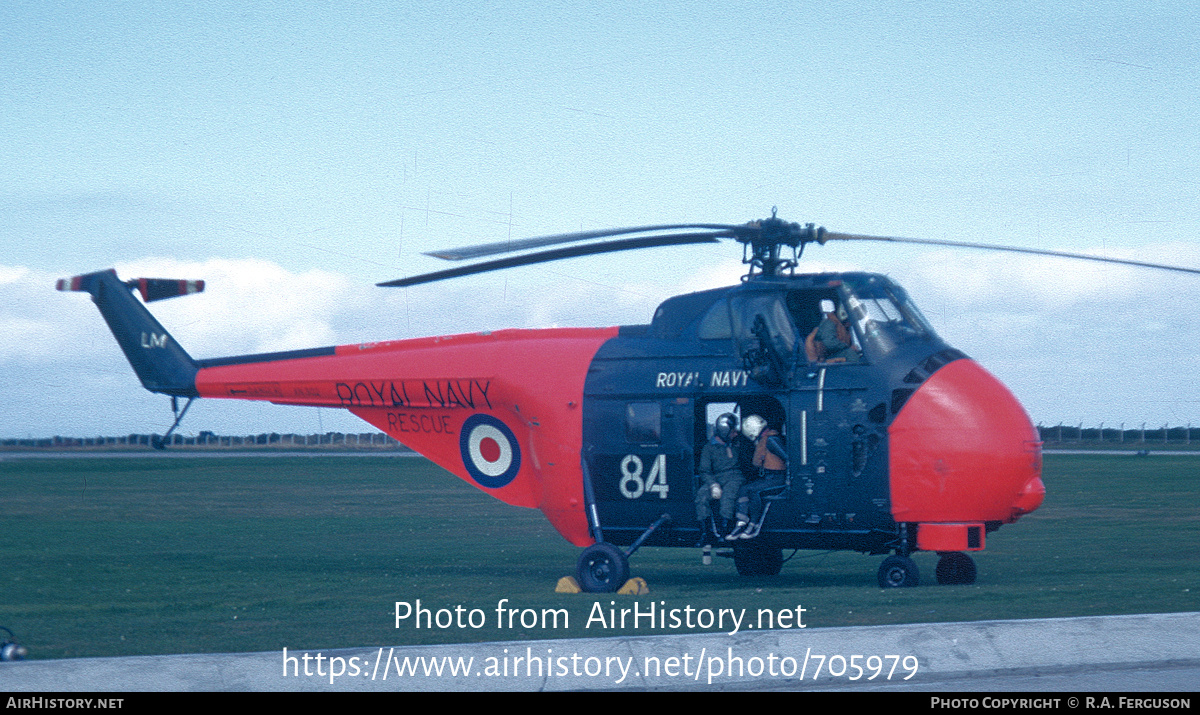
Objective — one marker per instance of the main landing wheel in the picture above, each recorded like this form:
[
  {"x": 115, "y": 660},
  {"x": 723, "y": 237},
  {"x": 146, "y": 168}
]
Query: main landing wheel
[
  {"x": 898, "y": 572},
  {"x": 955, "y": 567},
  {"x": 602, "y": 568},
  {"x": 754, "y": 558}
]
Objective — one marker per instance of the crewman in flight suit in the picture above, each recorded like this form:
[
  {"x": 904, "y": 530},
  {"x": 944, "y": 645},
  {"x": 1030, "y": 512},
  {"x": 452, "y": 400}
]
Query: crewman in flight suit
[
  {"x": 830, "y": 341},
  {"x": 721, "y": 478},
  {"x": 770, "y": 457}
]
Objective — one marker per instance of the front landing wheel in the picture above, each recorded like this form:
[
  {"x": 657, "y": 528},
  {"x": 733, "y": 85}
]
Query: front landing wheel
[
  {"x": 602, "y": 568},
  {"x": 898, "y": 572}
]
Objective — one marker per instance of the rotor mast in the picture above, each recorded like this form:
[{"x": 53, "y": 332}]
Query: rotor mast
[{"x": 762, "y": 245}]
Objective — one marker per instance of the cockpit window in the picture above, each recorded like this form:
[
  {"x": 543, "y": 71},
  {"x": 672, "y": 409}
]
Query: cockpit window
[{"x": 883, "y": 314}]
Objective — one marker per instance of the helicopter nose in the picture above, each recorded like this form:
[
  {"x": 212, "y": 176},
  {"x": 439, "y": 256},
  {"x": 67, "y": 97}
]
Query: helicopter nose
[{"x": 962, "y": 449}]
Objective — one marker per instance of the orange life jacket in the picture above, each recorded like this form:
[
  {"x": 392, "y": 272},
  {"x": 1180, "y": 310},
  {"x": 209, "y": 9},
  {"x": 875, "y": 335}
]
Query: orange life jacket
[{"x": 763, "y": 457}]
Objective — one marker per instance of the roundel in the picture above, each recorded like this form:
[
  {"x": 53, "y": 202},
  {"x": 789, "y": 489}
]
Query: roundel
[{"x": 489, "y": 451}]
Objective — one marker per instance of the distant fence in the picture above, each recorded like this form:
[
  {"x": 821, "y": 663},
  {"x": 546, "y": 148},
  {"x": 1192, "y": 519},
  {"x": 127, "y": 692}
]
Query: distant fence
[
  {"x": 1054, "y": 434},
  {"x": 1074, "y": 434},
  {"x": 209, "y": 440}
]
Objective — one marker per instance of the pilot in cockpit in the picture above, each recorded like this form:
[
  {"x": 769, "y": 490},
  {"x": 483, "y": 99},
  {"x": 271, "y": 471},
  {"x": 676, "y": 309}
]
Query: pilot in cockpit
[{"x": 831, "y": 340}]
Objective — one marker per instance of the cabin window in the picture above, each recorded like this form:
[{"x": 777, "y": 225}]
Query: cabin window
[
  {"x": 715, "y": 324},
  {"x": 643, "y": 422},
  {"x": 768, "y": 313},
  {"x": 713, "y": 410}
]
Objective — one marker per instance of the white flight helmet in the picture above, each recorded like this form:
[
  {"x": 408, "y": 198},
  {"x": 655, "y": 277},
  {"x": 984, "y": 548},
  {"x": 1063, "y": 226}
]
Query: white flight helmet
[{"x": 753, "y": 426}]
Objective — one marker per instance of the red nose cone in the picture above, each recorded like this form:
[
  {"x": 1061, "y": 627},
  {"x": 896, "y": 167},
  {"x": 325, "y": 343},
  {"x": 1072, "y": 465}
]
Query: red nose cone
[{"x": 962, "y": 449}]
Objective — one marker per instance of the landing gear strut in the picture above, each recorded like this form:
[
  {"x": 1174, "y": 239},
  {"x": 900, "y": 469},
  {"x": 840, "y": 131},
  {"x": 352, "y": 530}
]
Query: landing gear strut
[
  {"x": 899, "y": 571},
  {"x": 603, "y": 568},
  {"x": 161, "y": 442}
]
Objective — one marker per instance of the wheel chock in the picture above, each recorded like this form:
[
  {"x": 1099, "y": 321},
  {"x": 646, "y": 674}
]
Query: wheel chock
[
  {"x": 635, "y": 586},
  {"x": 568, "y": 584}
]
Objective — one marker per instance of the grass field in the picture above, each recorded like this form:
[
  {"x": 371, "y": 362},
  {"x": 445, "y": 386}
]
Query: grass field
[{"x": 132, "y": 556}]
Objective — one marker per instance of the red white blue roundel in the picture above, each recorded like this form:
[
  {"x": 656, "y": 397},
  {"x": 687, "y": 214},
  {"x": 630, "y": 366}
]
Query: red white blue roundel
[{"x": 489, "y": 451}]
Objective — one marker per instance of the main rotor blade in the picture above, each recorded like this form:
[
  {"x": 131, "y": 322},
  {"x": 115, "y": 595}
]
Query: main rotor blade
[
  {"x": 627, "y": 244},
  {"x": 1010, "y": 249},
  {"x": 490, "y": 249}
]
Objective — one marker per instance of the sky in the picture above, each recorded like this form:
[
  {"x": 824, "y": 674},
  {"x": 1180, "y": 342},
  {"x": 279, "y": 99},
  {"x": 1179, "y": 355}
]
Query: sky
[{"x": 294, "y": 154}]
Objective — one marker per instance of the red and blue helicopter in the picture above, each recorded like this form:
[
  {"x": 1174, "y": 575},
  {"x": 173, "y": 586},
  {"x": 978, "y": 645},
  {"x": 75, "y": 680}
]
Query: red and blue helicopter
[{"x": 909, "y": 446}]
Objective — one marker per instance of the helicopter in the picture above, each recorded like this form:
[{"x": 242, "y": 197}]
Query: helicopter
[{"x": 903, "y": 444}]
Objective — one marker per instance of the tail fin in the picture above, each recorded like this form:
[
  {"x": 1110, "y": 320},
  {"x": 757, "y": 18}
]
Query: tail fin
[{"x": 160, "y": 363}]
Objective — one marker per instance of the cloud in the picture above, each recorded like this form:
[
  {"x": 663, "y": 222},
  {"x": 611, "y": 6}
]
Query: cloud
[
  {"x": 249, "y": 305},
  {"x": 1073, "y": 341},
  {"x": 35, "y": 323}
]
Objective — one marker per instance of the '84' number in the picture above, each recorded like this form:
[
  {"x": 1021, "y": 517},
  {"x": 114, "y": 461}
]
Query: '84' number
[{"x": 633, "y": 486}]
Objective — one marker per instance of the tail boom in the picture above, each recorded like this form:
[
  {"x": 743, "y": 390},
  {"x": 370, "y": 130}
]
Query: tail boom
[{"x": 501, "y": 410}]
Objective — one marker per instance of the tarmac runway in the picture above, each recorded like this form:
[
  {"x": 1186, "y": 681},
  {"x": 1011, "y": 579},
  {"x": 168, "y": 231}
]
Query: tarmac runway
[{"x": 1137, "y": 653}]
